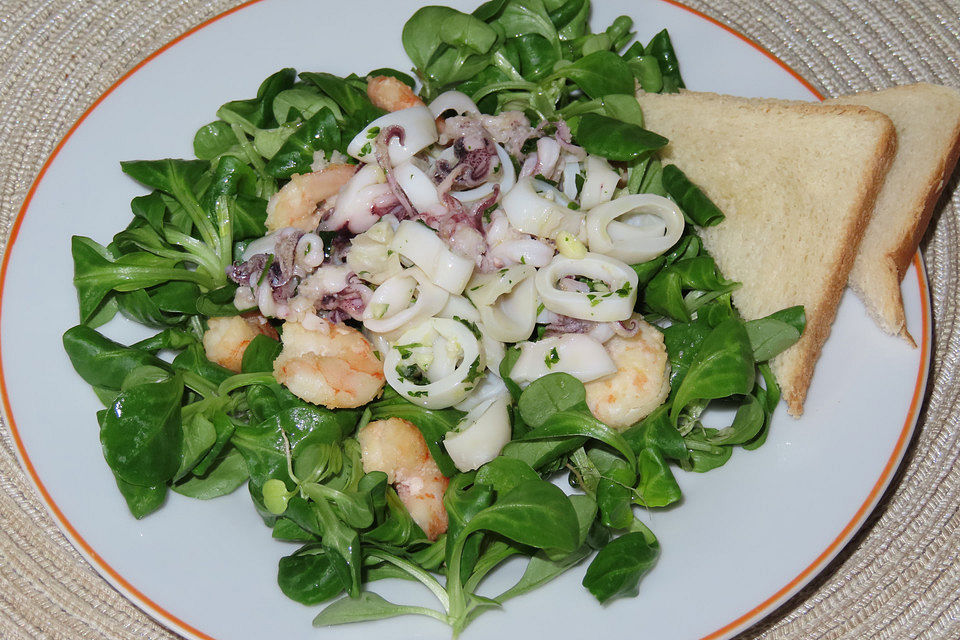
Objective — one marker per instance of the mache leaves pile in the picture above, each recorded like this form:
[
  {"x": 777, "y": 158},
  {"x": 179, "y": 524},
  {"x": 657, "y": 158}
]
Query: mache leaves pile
[{"x": 174, "y": 421}]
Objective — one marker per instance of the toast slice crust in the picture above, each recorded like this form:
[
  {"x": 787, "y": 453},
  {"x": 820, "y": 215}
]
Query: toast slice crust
[
  {"x": 927, "y": 119},
  {"x": 797, "y": 182}
]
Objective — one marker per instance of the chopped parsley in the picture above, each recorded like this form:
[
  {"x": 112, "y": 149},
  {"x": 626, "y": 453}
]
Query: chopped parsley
[
  {"x": 469, "y": 325},
  {"x": 411, "y": 373},
  {"x": 406, "y": 350},
  {"x": 551, "y": 358},
  {"x": 596, "y": 286},
  {"x": 266, "y": 268},
  {"x": 475, "y": 373}
]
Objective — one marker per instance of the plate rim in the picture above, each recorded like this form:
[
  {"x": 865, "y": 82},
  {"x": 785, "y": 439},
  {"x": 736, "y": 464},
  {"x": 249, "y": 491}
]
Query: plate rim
[{"x": 741, "y": 623}]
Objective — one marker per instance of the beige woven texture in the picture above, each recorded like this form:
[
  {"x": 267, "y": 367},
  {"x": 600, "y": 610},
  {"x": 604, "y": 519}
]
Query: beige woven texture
[{"x": 899, "y": 578}]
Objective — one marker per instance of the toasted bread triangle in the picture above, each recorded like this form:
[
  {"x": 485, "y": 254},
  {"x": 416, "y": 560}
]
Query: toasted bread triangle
[
  {"x": 797, "y": 182},
  {"x": 927, "y": 119}
]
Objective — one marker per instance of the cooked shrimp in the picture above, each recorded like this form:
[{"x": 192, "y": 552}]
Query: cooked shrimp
[
  {"x": 386, "y": 92},
  {"x": 396, "y": 447},
  {"x": 297, "y": 204},
  {"x": 227, "y": 338},
  {"x": 333, "y": 365},
  {"x": 641, "y": 383}
]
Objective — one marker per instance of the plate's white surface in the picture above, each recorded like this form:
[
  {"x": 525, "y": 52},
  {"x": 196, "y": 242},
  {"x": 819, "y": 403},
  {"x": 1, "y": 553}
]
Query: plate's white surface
[{"x": 745, "y": 537}]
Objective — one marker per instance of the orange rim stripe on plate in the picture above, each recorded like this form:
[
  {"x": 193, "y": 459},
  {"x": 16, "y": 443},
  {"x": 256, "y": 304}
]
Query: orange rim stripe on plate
[
  {"x": 873, "y": 497},
  {"x": 755, "y": 613}
]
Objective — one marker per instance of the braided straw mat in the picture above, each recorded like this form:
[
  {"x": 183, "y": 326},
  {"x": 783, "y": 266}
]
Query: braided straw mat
[{"x": 899, "y": 578}]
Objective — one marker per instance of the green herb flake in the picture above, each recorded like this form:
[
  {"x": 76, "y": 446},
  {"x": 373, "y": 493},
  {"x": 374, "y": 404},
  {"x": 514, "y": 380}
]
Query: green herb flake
[
  {"x": 475, "y": 373},
  {"x": 469, "y": 325},
  {"x": 409, "y": 372},
  {"x": 406, "y": 350},
  {"x": 551, "y": 358},
  {"x": 266, "y": 268}
]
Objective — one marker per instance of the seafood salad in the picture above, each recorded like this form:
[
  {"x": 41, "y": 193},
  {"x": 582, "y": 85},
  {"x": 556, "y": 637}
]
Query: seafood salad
[
  {"x": 444, "y": 254},
  {"x": 401, "y": 310}
]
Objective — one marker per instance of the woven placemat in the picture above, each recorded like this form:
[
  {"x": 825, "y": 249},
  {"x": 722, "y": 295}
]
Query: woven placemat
[{"x": 899, "y": 578}]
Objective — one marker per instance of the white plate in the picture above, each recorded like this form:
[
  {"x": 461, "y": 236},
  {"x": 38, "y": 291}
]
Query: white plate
[{"x": 746, "y": 537}]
